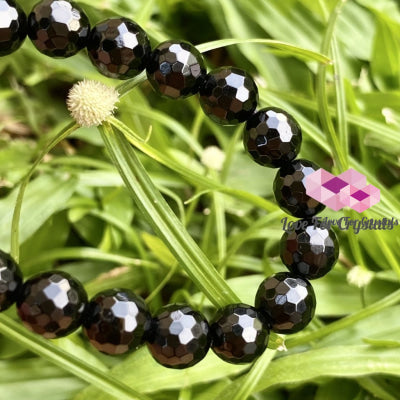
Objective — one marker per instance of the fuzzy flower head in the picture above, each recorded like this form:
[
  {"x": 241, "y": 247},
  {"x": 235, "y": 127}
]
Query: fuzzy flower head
[
  {"x": 359, "y": 276},
  {"x": 91, "y": 103},
  {"x": 213, "y": 157}
]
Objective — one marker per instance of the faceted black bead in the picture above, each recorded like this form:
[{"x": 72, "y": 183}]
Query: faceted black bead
[
  {"x": 239, "y": 334},
  {"x": 272, "y": 137},
  {"x": 229, "y": 95},
  {"x": 176, "y": 69},
  {"x": 58, "y": 28},
  {"x": 287, "y": 301},
  {"x": 116, "y": 321},
  {"x": 52, "y": 304},
  {"x": 179, "y": 337},
  {"x": 119, "y": 48},
  {"x": 10, "y": 281},
  {"x": 12, "y": 26},
  {"x": 290, "y": 190},
  {"x": 310, "y": 252}
]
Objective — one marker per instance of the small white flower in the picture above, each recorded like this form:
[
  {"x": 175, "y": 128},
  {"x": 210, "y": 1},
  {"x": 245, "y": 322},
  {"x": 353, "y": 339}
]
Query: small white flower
[
  {"x": 91, "y": 103},
  {"x": 389, "y": 115},
  {"x": 213, "y": 157},
  {"x": 359, "y": 276}
]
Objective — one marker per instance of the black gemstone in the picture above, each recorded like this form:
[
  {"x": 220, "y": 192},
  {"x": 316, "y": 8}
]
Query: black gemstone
[
  {"x": 10, "y": 281},
  {"x": 229, "y": 95},
  {"x": 239, "y": 334},
  {"x": 287, "y": 301},
  {"x": 58, "y": 28},
  {"x": 310, "y": 252},
  {"x": 179, "y": 337},
  {"x": 176, "y": 69},
  {"x": 290, "y": 190},
  {"x": 52, "y": 304},
  {"x": 272, "y": 137},
  {"x": 116, "y": 321},
  {"x": 12, "y": 27},
  {"x": 119, "y": 48}
]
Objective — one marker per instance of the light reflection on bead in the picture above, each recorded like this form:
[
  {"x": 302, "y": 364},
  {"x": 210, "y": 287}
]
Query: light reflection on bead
[
  {"x": 52, "y": 304},
  {"x": 12, "y": 27},
  {"x": 310, "y": 252},
  {"x": 116, "y": 321},
  {"x": 179, "y": 337},
  {"x": 287, "y": 302},
  {"x": 239, "y": 334}
]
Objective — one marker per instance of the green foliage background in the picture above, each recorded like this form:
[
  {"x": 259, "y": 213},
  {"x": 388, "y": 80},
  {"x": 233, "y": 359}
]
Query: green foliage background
[{"x": 77, "y": 214}]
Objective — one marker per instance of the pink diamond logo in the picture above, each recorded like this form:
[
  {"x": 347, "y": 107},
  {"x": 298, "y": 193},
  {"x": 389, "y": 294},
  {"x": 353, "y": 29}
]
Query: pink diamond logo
[{"x": 349, "y": 189}]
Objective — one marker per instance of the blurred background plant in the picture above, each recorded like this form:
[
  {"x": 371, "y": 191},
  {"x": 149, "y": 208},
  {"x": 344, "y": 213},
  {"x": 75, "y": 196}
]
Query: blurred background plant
[{"x": 78, "y": 216}]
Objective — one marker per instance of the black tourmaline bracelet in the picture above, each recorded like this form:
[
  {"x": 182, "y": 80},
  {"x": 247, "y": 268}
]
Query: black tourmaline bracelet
[{"x": 54, "y": 304}]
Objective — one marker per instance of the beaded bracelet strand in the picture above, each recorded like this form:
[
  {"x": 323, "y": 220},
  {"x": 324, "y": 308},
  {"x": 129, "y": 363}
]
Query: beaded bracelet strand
[{"x": 54, "y": 304}]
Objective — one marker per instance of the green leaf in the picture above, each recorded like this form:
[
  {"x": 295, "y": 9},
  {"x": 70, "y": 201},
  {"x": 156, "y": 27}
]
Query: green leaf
[
  {"x": 38, "y": 389},
  {"x": 286, "y": 48},
  {"x": 192, "y": 176},
  {"x": 340, "y": 361},
  {"x": 164, "y": 221},
  {"x": 67, "y": 361},
  {"x": 159, "y": 249},
  {"x": 142, "y": 373},
  {"x": 243, "y": 388},
  {"x": 338, "y": 388},
  {"x": 376, "y": 327},
  {"x": 385, "y": 62},
  {"x": 37, "y": 208}
]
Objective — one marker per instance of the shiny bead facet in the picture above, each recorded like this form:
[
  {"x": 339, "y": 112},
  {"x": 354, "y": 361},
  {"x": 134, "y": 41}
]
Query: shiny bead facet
[
  {"x": 229, "y": 95},
  {"x": 272, "y": 137},
  {"x": 176, "y": 69},
  {"x": 10, "y": 281},
  {"x": 116, "y": 321},
  {"x": 52, "y": 304},
  {"x": 310, "y": 252},
  {"x": 290, "y": 190},
  {"x": 238, "y": 334},
  {"x": 119, "y": 48},
  {"x": 287, "y": 301},
  {"x": 58, "y": 28},
  {"x": 12, "y": 27},
  {"x": 179, "y": 337}
]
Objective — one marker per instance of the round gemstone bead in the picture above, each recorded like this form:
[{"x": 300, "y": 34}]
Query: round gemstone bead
[
  {"x": 179, "y": 337},
  {"x": 238, "y": 334},
  {"x": 58, "y": 28},
  {"x": 290, "y": 189},
  {"x": 10, "y": 281},
  {"x": 12, "y": 27},
  {"x": 116, "y": 321},
  {"x": 119, "y": 48},
  {"x": 52, "y": 304},
  {"x": 310, "y": 252},
  {"x": 287, "y": 301},
  {"x": 176, "y": 69},
  {"x": 228, "y": 96},
  {"x": 272, "y": 137}
]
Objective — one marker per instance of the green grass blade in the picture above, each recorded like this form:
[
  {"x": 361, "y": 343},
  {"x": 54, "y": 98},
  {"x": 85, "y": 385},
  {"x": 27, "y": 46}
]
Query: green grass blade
[
  {"x": 18, "y": 205},
  {"x": 345, "y": 361},
  {"x": 164, "y": 222},
  {"x": 286, "y": 48},
  {"x": 340, "y": 99},
  {"x": 67, "y": 361},
  {"x": 339, "y": 156},
  {"x": 306, "y": 338},
  {"x": 242, "y": 388},
  {"x": 86, "y": 253},
  {"x": 191, "y": 176}
]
